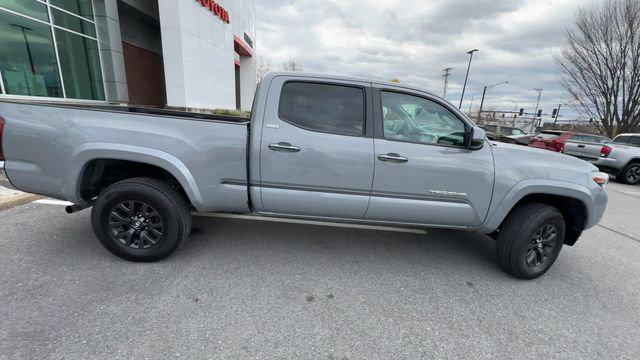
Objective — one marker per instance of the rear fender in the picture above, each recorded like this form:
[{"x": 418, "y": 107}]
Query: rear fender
[{"x": 98, "y": 150}]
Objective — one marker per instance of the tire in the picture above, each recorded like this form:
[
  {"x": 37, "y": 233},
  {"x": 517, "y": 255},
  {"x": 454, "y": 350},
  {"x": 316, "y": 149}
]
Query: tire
[
  {"x": 520, "y": 249},
  {"x": 630, "y": 174},
  {"x": 141, "y": 219}
]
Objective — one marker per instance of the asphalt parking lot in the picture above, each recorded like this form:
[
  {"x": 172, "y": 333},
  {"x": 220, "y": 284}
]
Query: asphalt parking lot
[{"x": 254, "y": 289}]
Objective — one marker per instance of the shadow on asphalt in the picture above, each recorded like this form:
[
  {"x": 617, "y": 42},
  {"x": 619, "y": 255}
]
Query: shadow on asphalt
[{"x": 215, "y": 237}]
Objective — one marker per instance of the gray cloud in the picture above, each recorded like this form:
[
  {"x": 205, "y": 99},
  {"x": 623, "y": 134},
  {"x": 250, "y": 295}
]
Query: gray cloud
[{"x": 414, "y": 40}]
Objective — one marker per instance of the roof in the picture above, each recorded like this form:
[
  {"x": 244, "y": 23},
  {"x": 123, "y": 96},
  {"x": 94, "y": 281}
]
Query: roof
[{"x": 348, "y": 78}]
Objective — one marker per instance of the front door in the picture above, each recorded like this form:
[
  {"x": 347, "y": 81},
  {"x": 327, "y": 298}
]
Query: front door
[
  {"x": 316, "y": 155},
  {"x": 423, "y": 172}
]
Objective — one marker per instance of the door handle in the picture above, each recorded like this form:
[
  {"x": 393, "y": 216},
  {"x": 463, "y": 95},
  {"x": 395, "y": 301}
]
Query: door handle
[
  {"x": 284, "y": 146},
  {"x": 581, "y": 146},
  {"x": 393, "y": 157}
]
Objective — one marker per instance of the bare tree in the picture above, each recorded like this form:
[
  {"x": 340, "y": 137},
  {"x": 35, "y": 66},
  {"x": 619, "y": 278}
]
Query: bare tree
[
  {"x": 291, "y": 65},
  {"x": 601, "y": 65},
  {"x": 263, "y": 67}
]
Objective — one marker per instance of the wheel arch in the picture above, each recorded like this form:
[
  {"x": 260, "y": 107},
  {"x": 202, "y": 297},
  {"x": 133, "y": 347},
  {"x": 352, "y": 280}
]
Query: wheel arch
[
  {"x": 85, "y": 178},
  {"x": 573, "y": 210},
  {"x": 572, "y": 201}
]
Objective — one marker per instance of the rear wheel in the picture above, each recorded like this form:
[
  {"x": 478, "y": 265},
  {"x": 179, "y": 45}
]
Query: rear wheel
[
  {"x": 141, "y": 219},
  {"x": 631, "y": 174},
  {"x": 530, "y": 240}
]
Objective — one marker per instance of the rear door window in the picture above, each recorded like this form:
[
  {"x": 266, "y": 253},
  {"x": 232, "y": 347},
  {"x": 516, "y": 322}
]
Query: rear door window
[{"x": 328, "y": 108}]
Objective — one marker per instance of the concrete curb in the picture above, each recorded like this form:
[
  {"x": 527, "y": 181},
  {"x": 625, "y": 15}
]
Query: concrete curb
[{"x": 17, "y": 200}]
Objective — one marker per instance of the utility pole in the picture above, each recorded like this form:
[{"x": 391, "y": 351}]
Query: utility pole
[
  {"x": 447, "y": 72},
  {"x": 470, "y": 52},
  {"x": 535, "y": 113},
  {"x": 557, "y": 116}
]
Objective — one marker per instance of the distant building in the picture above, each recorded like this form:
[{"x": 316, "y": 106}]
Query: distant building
[{"x": 176, "y": 53}]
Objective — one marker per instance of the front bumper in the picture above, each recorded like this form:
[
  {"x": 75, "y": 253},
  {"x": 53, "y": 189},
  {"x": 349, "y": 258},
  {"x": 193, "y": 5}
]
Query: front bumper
[{"x": 607, "y": 163}]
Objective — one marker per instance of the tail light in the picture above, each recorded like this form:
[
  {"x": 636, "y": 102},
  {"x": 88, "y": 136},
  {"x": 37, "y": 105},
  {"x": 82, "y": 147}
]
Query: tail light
[
  {"x": 605, "y": 151},
  {"x": 1, "y": 132},
  {"x": 600, "y": 178},
  {"x": 556, "y": 145}
]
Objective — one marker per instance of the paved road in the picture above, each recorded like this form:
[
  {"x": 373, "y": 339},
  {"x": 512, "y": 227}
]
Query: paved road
[{"x": 252, "y": 289}]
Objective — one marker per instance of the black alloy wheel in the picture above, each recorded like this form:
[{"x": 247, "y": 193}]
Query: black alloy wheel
[
  {"x": 135, "y": 224},
  {"x": 141, "y": 219},
  {"x": 542, "y": 245}
]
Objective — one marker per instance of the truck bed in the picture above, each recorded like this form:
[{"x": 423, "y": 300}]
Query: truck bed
[
  {"x": 49, "y": 146},
  {"x": 178, "y": 114}
]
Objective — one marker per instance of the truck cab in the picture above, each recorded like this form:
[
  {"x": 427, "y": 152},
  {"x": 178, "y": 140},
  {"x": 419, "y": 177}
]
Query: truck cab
[{"x": 374, "y": 152}]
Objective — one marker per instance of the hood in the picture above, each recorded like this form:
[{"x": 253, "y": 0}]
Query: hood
[{"x": 539, "y": 163}]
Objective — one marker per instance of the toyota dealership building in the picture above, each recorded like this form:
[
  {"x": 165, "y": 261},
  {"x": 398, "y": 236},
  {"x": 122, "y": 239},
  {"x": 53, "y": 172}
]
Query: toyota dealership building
[{"x": 195, "y": 54}]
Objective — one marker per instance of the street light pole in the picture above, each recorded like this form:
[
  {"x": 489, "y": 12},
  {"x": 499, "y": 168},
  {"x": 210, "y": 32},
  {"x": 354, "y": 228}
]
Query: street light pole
[
  {"x": 483, "y": 94},
  {"x": 466, "y": 77},
  {"x": 26, "y": 41},
  {"x": 482, "y": 103}
]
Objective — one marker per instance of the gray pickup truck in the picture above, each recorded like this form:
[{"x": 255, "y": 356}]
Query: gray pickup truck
[
  {"x": 317, "y": 147},
  {"x": 622, "y": 158}
]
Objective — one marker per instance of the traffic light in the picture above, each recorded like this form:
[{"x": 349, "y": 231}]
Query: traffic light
[
  {"x": 521, "y": 112},
  {"x": 539, "y": 113},
  {"x": 553, "y": 114}
]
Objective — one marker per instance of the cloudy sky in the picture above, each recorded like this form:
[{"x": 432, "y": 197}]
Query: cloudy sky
[{"x": 414, "y": 40}]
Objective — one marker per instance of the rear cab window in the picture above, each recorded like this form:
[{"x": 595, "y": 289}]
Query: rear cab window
[
  {"x": 328, "y": 108},
  {"x": 634, "y": 141},
  {"x": 549, "y": 135},
  {"x": 512, "y": 131},
  {"x": 621, "y": 139}
]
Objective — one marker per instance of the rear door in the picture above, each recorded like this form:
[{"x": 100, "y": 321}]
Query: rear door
[
  {"x": 585, "y": 146},
  {"x": 423, "y": 173},
  {"x": 316, "y": 152}
]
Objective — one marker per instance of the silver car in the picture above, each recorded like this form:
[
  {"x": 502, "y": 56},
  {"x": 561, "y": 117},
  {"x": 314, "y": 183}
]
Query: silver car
[{"x": 585, "y": 146}]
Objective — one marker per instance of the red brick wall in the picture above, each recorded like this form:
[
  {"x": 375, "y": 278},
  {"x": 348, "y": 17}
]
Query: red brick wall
[{"x": 145, "y": 76}]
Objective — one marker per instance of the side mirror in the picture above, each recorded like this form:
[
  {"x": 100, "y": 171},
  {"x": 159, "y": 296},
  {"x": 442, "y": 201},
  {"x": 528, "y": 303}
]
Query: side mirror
[{"x": 476, "y": 138}]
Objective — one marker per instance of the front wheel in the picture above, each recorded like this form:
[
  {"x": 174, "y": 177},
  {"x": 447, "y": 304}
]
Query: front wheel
[
  {"x": 141, "y": 219},
  {"x": 530, "y": 240}
]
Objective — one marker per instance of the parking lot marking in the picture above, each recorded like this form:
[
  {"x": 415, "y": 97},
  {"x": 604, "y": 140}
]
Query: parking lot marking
[
  {"x": 618, "y": 232},
  {"x": 313, "y": 222},
  {"x": 631, "y": 192}
]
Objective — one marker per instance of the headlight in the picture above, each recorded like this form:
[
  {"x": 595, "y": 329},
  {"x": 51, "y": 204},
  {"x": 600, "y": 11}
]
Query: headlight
[{"x": 600, "y": 178}]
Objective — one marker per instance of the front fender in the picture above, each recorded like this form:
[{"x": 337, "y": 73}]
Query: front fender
[
  {"x": 502, "y": 207},
  {"x": 100, "y": 150}
]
